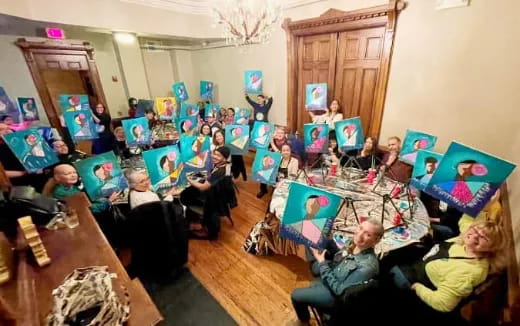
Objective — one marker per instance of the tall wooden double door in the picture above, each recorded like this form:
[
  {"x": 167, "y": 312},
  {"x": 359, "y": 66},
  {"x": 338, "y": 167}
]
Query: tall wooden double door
[{"x": 349, "y": 63}]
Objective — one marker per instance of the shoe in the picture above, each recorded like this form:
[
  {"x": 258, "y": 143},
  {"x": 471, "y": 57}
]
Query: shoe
[{"x": 260, "y": 194}]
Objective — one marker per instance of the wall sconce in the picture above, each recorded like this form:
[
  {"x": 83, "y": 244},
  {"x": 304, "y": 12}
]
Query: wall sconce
[{"x": 125, "y": 38}]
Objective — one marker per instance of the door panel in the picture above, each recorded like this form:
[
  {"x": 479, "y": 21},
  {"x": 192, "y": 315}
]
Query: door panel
[
  {"x": 57, "y": 61},
  {"x": 316, "y": 64},
  {"x": 357, "y": 72}
]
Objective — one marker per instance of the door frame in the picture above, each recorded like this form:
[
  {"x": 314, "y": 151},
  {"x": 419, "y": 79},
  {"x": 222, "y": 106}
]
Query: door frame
[
  {"x": 335, "y": 21},
  {"x": 59, "y": 48}
]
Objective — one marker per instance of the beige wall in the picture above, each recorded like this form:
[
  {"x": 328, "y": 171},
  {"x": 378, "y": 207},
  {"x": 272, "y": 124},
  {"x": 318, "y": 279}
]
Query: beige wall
[
  {"x": 184, "y": 67},
  {"x": 159, "y": 72},
  {"x": 15, "y": 77},
  {"x": 132, "y": 65}
]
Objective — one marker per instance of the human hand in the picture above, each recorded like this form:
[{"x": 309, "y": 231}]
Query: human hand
[
  {"x": 414, "y": 286},
  {"x": 320, "y": 256},
  {"x": 113, "y": 197}
]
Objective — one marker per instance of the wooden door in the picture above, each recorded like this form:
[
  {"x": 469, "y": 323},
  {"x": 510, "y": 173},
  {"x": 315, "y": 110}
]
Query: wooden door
[
  {"x": 316, "y": 64},
  {"x": 357, "y": 74}
]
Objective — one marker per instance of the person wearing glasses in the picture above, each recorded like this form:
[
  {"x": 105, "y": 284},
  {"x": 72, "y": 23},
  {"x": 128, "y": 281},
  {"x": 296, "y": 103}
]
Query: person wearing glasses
[{"x": 141, "y": 190}]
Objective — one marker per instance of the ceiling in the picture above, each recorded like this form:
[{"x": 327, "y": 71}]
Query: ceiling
[{"x": 203, "y": 7}]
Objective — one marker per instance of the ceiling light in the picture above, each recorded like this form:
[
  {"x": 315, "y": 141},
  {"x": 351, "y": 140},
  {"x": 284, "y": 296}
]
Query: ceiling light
[{"x": 126, "y": 38}]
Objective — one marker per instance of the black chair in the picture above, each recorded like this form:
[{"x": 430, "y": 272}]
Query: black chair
[
  {"x": 156, "y": 234},
  {"x": 218, "y": 201}
]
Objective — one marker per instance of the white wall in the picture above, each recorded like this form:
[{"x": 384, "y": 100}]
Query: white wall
[
  {"x": 159, "y": 72},
  {"x": 15, "y": 76}
]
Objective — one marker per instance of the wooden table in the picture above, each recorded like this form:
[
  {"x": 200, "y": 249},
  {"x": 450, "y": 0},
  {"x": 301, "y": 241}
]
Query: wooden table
[{"x": 30, "y": 292}]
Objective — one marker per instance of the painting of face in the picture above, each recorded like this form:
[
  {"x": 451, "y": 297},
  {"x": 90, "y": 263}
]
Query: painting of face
[
  {"x": 137, "y": 131},
  {"x": 316, "y": 97},
  {"x": 413, "y": 142},
  {"x": 349, "y": 134},
  {"x": 265, "y": 166},
  {"x": 165, "y": 167}
]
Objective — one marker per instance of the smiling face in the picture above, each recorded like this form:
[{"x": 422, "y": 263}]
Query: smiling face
[
  {"x": 65, "y": 174},
  {"x": 279, "y": 134},
  {"x": 394, "y": 145},
  {"x": 286, "y": 151},
  {"x": 218, "y": 158},
  {"x": 100, "y": 108},
  {"x": 367, "y": 235},
  {"x": 477, "y": 239},
  {"x": 369, "y": 144},
  {"x": 206, "y": 130},
  {"x": 334, "y": 106},
  {"x": 60, "y": 147},
  {"x": 219, "y": 138}
]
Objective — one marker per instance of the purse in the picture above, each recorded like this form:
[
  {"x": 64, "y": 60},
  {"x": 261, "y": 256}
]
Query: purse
[{"x": 27, "y": 201}]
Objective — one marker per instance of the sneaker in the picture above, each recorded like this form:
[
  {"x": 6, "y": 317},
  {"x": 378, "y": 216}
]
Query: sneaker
[{"x": 260, "y": 194}]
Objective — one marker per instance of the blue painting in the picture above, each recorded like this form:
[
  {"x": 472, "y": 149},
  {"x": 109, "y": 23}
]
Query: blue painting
[
  {"x": 349, "y": 134},
  {"x": 315, "y": 97},
  {"x": 142, "y": 107},
  {"x": 50, "y": 135},
  {"x": 196, "y": 153},
  {"x": 206, "y": 89},
  {"x": 28, "y": 109},
  {"x": 212, "y": 111},
  {"x": 137, "y": 131},
  {"x": 265, "y": 166},
  {"x": 189, "y": 110},
  {"x": 316, "y": 137},
  {"x": 237, "y": 139},
  {"x": 414, "y": 141},
  {"x": 81, "y": 125},
  {"x": 166, "y": 107},
  {"x": 187, "y": 126},
  {"x": 7, "y": 107},
  {"x": 262, "y": 134},
  {"x": 467, "y": 178},
  {"x": 165, "y": 167},
  {"x": 425, "y": 165},
  {"x": 253, "y": 81},
  {"x": 70, "y": 102},
  {"x": 31, "y": 149},
  {"x": 242, "y": 116},
  {"x": 180, "y": 92},
  {"x": 309, "y": 215},
  {"x": 101, "y": 175}
]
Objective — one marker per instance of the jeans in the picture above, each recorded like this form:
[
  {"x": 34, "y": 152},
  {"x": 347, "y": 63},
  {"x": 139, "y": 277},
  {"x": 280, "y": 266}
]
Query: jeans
[
  {"x": 399, "y": 279},
  {"x": 317, "y": 295},
  {"x": 442, "y": 232}
]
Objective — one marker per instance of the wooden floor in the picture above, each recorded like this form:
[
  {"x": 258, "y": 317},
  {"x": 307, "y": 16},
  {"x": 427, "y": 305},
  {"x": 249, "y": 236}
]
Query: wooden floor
[{"x": 254, "y": 290}]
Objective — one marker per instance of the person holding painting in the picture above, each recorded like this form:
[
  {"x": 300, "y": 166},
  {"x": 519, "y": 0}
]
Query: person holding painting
[
  {"x": 279, "y": 139},
  {"x": 330, "y": 117},
  {"x": 261, "y": 107}
]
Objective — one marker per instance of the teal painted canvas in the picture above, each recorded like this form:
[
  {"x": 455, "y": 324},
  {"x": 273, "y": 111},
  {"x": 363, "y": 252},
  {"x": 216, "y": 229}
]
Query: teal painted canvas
[
  {"x": 261, "y": 135},
  {"x": 187, "y": 126},
  {"x": 180, "y": 92},
  {"x": 31, "y": 149},
  {"x": 253, "y": 81},
  {"x": 70, "y": 102},
  {"x": 265, "y": 167},
  {"x": 189, "y": 110},
  {"x": 315, "y": 97},
  {"x": 309, "y": 215},
  {"x": 164, "y": 167},
  {"x": 316, "y": 137},
  {"x": 425, "y": 165},
  {"x": 349, "y": 134},
  {"x": 101, "y": 175},
  {"x": 143, "y": 106},
  {"x": 81, "y": 125},
  {"x": 237, "y": 139},
  {"x": 28, "y": 109},
  {"x": 196, "y": 153},
  {"x": 7, "y": 107},
  {"x": 413, "y": 142},
  {"x": 137, "y": 131},
  {"x": 467, "y": 178},
  {"x": 242, "y": 116},
  {"x": 206, "y": 89},
  {"x": 212, "y": 111}
]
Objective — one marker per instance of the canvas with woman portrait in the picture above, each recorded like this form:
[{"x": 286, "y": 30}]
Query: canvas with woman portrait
[
  {"x": 142, "y": 107},
  {"x": 211, "y": 110},
  {"x": 237, "y": 139},
  {"x": 28, "y": 109},
  {"x": 467, "y": 178},
  {"x": 315, "y": 97},
  {"x": 265, "y": 167},
  {"x": 242, "y": 116},
  {"x": 71, "y": 102},
  {"x": 7, "y": 107},
  {"x": 206, "y": 90},
  {"x": 425, "y": 165},
  {"x": 81, "y": 125},
  {"x": 189, "y": 110},
  {"x": 31, "y": 149},
  {"x": 413, "y": 142},
  {"x": 101, "y": 175},
  {"x": 316, "y": 137},
  {"x": 253, "y": 81},
  {"x": 309, "y": 215},
  {"x": 166, "y": 107},
  {"x": 196, "y": 153},
  {"x": 165, "y": 167},
  {"x": 180, "y": 92},
  {"x": 187, "y": 126},
  {"x": 349, "y": 134},
  {"x": 262, "y": 134},
  {"x": 137, "y": 131}
]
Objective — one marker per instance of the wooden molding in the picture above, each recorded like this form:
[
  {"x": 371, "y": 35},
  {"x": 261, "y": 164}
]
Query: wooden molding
[{"x": 335, "y": 21}]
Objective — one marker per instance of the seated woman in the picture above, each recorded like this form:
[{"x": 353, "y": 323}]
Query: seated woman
[
  {"x": 369, "y": 156},
  {"x": 333, "y": 155},
  {"x": 120, "y": 148},
  {"x": 450, "y": 271},
  {"x": 141, "y": 191},
  {"x": 288, "y": 165}
]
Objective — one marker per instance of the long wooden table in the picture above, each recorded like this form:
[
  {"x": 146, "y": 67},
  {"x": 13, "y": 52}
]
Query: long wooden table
[{"x": 29, "y": 293}]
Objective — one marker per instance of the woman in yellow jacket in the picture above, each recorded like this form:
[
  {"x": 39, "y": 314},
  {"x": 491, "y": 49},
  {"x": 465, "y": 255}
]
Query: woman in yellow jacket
[{"x": 451, "y": 270}]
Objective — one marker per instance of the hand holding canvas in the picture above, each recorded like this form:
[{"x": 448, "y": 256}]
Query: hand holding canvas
[{"x": 320, "y": 256}]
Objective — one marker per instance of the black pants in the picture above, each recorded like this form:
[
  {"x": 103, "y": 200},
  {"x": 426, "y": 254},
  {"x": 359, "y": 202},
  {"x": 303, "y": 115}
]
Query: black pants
[{"x": 238, "y": 167}]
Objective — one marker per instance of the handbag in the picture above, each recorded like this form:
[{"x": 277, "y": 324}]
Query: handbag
[{"x": 27, "y": 201}]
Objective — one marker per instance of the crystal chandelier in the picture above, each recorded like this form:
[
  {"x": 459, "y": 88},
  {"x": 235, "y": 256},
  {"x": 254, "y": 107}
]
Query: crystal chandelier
[{"x": 247, "y": 22}]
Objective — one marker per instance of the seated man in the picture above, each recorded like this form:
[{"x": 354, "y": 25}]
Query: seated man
[
  {"x": 141, "y": 191},
  {"x": 352, "y": 265},
  {"x": 64, "y": 154},
  {"x": 392, "y": 167}
]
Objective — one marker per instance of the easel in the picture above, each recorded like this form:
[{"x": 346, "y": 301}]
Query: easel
[{"x": 304, "y": 170}]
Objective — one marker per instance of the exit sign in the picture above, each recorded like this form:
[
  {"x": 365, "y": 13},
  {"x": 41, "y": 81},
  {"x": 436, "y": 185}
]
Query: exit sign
[{"x": 55, "y": 33}]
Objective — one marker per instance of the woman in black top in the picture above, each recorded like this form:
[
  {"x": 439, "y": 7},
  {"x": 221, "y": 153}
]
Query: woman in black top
[
  {"x": 104, "y": 142},
  {"x": 369, "y": 154}
]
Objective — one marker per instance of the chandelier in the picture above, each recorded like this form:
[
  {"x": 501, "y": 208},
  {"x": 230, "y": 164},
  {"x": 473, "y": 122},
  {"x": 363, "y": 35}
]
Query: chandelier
[{"x": 246, "y": 22}]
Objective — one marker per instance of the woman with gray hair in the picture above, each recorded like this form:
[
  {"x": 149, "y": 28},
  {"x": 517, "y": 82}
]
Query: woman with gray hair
[{"x": 141, "y": 191}]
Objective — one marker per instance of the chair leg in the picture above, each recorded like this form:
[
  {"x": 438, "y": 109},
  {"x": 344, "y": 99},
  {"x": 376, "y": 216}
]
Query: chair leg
[{"x": 316, "y": 315}]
